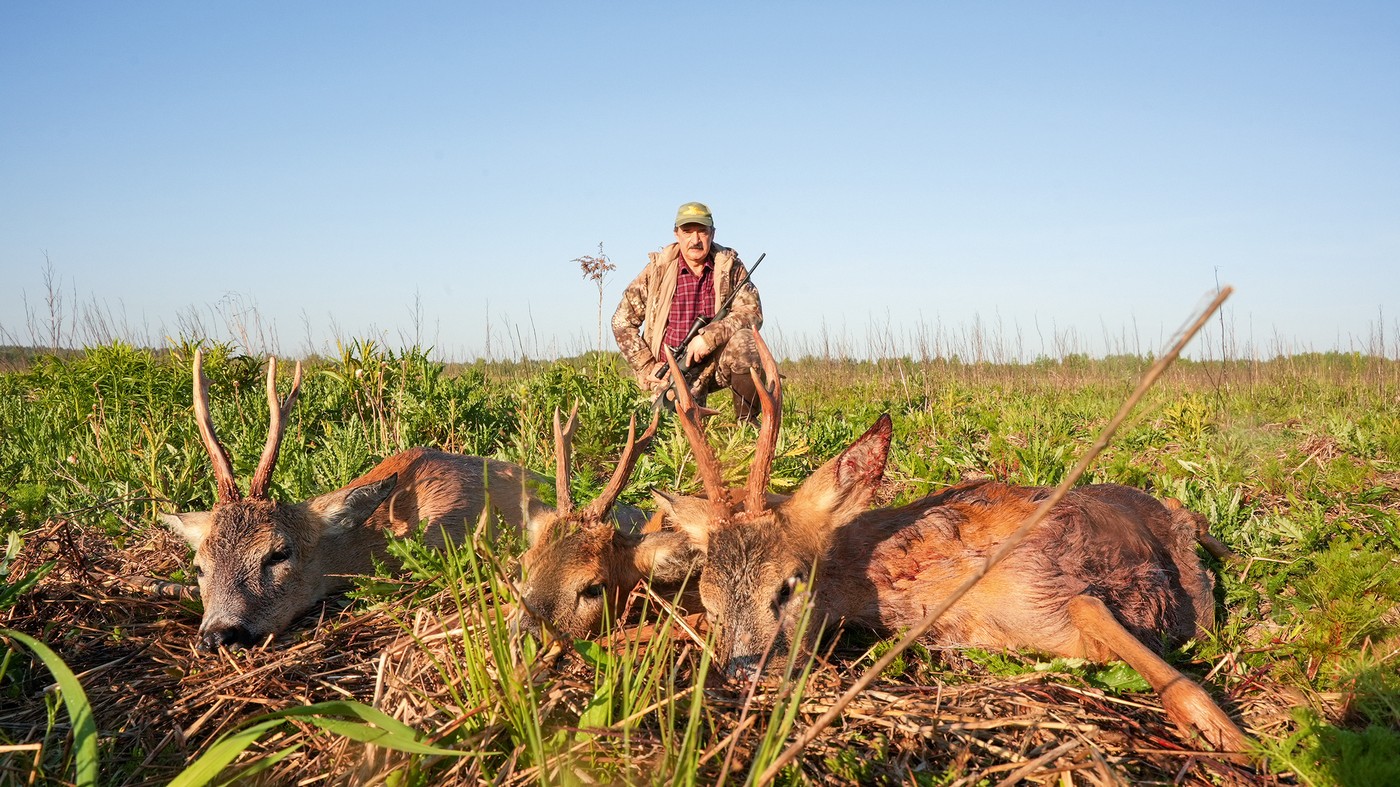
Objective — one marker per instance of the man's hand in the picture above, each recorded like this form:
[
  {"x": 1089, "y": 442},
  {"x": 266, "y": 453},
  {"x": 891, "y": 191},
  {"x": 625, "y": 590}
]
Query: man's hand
[
  {"x": 696, "y": 351},
  {"x": 649, "y": 380}
]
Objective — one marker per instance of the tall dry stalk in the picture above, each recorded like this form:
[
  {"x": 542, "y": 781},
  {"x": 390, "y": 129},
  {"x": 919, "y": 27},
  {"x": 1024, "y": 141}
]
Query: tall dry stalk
[
  {"x": 51, "y": 333},
  {"x": 596, "y": 270}
]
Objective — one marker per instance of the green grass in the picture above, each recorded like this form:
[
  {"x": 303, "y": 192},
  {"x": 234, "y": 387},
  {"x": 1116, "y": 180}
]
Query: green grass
[{"x": 1295, "y": 462}]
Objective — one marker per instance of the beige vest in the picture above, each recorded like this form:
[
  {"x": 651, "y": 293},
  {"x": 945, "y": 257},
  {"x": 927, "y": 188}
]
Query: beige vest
[{"x": 664, "y": 289}]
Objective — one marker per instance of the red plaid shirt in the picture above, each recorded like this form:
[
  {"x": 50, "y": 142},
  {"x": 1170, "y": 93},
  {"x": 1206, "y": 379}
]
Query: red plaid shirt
[{"x": 695, "y": 297}]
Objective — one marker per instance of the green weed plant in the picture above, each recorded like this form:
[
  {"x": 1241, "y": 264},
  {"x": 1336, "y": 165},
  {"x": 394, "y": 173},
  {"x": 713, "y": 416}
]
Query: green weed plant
[{"x": 1295, "y": 462}]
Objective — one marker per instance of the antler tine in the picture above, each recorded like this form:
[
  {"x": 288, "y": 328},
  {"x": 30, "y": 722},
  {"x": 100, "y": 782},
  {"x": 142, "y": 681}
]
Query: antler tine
[
  {"x": 277, "y": 426},
  {"x": 770, "y": 399},
  {"x": 223, "y": 468},
  {"x": 634, "y": 450},
  {"x": 705, "y": 460},
  {"x": 563, "y": 451}
]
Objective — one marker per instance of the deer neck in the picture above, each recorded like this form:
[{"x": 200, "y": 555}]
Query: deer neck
[{"x": 348, "y": 554}]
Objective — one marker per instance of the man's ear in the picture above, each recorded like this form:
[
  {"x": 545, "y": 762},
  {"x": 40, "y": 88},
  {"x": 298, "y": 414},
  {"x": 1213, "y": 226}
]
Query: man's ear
[
  {"x": 689, "y": 515},
  {"x": 842, "y": 488},
  {"x": 667, "y": 556},
  {"x": 346, "y": 509},
  {"x": 192, "y": 525}
]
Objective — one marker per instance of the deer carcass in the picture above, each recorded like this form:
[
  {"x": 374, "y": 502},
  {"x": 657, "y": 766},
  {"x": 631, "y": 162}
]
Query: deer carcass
[
  {"x": 1110, "y": 573},
  {"x": 262, "y": 563}
]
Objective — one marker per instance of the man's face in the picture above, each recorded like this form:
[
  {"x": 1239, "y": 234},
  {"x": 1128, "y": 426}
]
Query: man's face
[{"x": 695, "y": 242}]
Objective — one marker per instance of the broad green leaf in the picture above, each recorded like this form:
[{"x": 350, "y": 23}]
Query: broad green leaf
[
  {"x": 11, "y": 592},
  {"x": 375, "y": 727},
  {"x": 599, "y": 710},
  {"x": 595, "y": 654},
  {"x": 1118, "y": 676},
  {"x": 357, "y": 710}
]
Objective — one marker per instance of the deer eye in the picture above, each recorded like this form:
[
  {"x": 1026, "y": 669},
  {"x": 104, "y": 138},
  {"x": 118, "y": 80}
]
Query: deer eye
[
  {"x": 788, "y": 586},
  {"x": 275, "y": 557},
  {"x": 594, "y": 590}
]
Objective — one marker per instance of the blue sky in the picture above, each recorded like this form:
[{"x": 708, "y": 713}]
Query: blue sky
[{"x": 1055, "y": 175}]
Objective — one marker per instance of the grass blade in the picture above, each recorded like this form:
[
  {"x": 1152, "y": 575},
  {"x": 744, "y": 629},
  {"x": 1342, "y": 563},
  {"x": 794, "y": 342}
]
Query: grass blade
[
  {"x": 213, "y": 761},
  {"x": 75, "y": 701}
]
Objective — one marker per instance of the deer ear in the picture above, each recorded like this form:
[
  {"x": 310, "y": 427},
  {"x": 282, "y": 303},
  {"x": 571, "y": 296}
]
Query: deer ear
[
  {"x": 538, "y": 525},
  {"x": 192, "y": 525},
  {"x": 346, "y": 509},
  {"x": 688, "y": 515},
  {"x": 842, "y": 488},
  {"x": 667, "y": 556}
]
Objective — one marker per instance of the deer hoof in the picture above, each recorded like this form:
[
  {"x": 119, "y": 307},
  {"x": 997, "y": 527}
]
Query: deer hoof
[{"x": 1191, "y": 708}]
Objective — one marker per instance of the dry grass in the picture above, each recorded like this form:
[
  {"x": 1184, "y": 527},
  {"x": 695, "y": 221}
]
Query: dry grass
[
  {"x": 161, "y": 701},
  {"x": 1284, "y": 463}
]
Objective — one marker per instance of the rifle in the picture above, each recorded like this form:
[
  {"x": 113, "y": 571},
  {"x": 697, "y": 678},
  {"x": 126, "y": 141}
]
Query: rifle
[{"x": 682, "y": 362}]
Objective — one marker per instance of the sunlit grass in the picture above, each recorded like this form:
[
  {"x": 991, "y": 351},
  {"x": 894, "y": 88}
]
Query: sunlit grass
[{"x": 1294, "y": 463}]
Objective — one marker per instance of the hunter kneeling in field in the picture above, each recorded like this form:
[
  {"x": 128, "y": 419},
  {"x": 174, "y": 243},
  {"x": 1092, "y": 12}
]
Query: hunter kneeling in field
[{"x": 684, "y": 281}]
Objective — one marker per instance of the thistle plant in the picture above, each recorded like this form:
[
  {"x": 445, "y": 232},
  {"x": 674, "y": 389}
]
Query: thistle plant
[{"x": 596, "y": 270}]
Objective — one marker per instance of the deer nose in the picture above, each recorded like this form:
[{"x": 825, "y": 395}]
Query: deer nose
[
  {"x": 743, "y": 668},
  {"x": 231, "y": 636},
  {"x": 522, "y": 623}
]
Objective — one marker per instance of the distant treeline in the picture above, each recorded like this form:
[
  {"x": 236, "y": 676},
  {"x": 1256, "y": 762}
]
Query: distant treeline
[{"x": 19, "y": 357}]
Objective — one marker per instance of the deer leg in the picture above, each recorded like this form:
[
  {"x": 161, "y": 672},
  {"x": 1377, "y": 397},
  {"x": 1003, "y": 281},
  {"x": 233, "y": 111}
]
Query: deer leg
[
  {"x": 1186, "y": 703},
  {"x": 1217, "y": 548}
]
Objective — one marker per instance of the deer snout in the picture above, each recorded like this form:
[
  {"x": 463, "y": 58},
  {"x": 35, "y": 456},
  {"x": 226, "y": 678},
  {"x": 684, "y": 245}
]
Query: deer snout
[
  {"x": 747, "y": 657},
  {"x": 744, "y": 668},
  {"x": 521, "y": 623},
  {"x": 236, "y": 636}
]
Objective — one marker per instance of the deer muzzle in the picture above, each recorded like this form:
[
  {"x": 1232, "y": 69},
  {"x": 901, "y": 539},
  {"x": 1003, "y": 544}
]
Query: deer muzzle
[
  {"x": 747, "y": 669},
  {"x": 235, "y": 636}
]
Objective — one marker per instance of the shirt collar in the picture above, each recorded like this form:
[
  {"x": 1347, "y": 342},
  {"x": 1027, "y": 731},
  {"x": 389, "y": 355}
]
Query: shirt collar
[{"x": 706, "y": 267}]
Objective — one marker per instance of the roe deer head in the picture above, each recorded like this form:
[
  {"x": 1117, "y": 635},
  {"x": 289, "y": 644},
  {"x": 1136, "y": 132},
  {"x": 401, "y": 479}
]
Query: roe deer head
[
  {"x": 262, "y": 563},
  {"x": 578, "y": 566},
  {"x": 1108, "y": 574}
]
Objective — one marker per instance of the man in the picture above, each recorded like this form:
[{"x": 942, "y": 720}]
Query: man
[{"x": 687, "y": 279}]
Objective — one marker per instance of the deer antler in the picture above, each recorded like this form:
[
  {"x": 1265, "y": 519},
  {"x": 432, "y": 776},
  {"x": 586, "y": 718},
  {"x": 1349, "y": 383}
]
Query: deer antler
[
  {"x": 770, "y": 399},
  {"x": 634, "y": 450},
  {"x": 705, "y": 460},
  {"x": 277, "y": 425},
  {"x": 563, "y": 449},
  {"x": 223, "y": 468}
]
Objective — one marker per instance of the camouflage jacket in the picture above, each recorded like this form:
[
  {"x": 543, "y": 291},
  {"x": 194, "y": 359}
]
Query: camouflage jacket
[{"x": 646, "y": 304}]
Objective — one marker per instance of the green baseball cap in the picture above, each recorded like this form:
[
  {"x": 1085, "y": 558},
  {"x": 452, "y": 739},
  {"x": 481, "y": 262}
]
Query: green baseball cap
[{"x": 694, "y": 213}]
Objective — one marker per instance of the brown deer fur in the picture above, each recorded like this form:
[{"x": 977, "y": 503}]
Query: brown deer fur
[
  {"x": 1110, "y": 573},
  {"x": 262, "y": 563},
  {"x": 578, "y": 566},
  {"x": 573, "y": 571}
]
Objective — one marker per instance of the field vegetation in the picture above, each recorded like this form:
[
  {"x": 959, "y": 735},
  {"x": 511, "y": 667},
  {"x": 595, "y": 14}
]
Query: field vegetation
[{"x": 415, "y": 679}]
